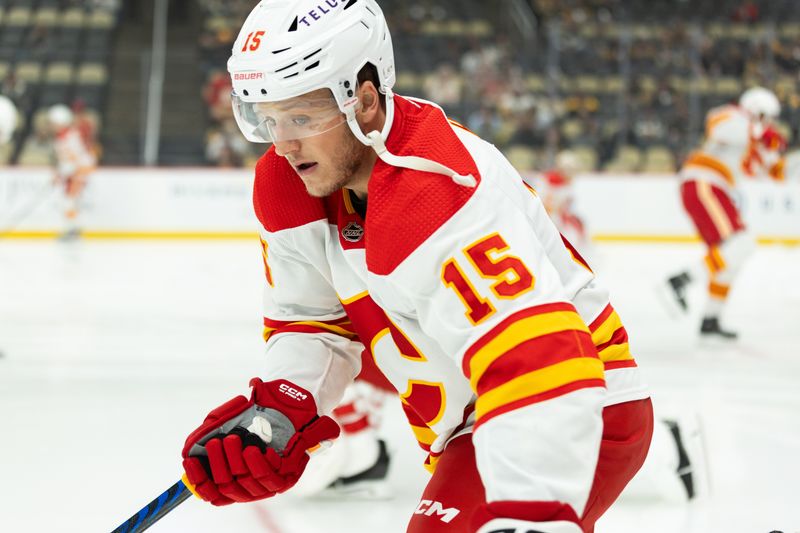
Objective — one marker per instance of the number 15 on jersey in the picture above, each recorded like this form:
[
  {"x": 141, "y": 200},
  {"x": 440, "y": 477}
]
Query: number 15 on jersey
[{"x": 489, "y": 258}]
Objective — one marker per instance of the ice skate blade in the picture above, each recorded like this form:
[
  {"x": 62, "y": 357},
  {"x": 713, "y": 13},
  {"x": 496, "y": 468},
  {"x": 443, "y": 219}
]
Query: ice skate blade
[
  {"x": 666, "y": 295},
  {"x": 712, "y": 341}
]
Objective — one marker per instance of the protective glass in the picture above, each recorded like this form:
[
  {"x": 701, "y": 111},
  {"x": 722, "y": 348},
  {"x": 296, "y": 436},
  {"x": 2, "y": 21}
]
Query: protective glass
[{"x": 296, "y": 118}]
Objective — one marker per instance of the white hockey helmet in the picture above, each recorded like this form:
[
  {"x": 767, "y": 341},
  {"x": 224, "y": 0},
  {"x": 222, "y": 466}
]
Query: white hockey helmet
[
  {"x": 760, "y": 102},
  {"x": 567, "y": 161},
  {"x": 59, "y": 115},
  {"x": 8, "y": 119},
  {"x": 288, "y": 48}
]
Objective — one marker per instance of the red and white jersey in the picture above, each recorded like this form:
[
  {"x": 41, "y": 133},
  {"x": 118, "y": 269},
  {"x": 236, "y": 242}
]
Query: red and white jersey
[
  {"x": 555, "y": 190},
  {"x": 734, "y": 148},
  {"x": 468, "y": 299},
  {"x": 72, "y": 153},
  {"x": 558, "y": 196}
]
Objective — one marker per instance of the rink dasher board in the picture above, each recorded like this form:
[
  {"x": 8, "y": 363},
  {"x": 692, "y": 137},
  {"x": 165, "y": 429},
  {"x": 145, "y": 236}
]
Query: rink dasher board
[{"x": 216, "y": 203}]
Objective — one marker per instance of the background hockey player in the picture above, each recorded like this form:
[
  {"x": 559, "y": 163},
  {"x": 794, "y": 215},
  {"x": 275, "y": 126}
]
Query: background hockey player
[
  {"x": 8, "y": 119},
  {"x": 557, "y": 192},
  {"x": 741, "y": 142},
  {"x": 356, "y": 465},
  {"x": 388, "y": 228},
  {"x": 74, "y": 162}
]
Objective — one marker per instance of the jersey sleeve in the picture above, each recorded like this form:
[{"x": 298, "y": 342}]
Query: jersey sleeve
[
  {"x": 483, "y": 286},
  {"x": 772, "y": 147},
  {"x": 309, "y": 338},
  {"x": 729, "y": 126}
]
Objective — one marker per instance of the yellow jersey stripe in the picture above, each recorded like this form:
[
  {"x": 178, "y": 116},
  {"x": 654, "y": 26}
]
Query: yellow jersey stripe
[
  {"x": 520, "y": 331},
  {"x": 606, "y": 330},
  {"x": 616, "y": 352},
  {"x": 539, "y": 381}
]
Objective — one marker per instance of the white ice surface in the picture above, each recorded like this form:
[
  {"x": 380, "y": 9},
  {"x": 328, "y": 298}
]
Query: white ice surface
[{"x": 114, "y": 351}]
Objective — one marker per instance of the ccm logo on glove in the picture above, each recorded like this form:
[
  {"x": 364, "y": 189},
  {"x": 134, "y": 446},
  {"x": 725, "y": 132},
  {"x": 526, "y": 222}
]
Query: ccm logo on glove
[
  {"x": 292, "y": 393},
  {"x": 248, "y": 450}
]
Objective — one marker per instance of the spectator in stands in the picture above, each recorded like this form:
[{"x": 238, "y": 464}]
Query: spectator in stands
[
  {"x": 747, "y": 11},
  {"x": 648, "y": 128},
  {"x": 581, "y": 105},
  {"x": 527, "y": 132},
  {"x": 106, "y": 5},
  {"x": 514, "y": 97},
  {"x": 36, "y": 40},
  {"x": 757, "y": 65},
  {"x": 216, "y": 94},
  {"x": 607, "y": 147},
  {"x": 14, "y": 88},
  {"x": 664, "y": 100},
  {"x": 226, "y": 147},
  {"x": 485, "y": 122},
  {"x": 444, "y": 86},
  {"x": 492, "y": 74},
  {"x": 787, "y": 56},
  {"x": 792, "y": 114},
  {"x": 589, "y": 131}
]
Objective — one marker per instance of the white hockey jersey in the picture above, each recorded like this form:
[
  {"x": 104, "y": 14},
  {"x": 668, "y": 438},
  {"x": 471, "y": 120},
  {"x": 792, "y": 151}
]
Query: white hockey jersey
[
  {"x": 732, "y": 150},
  {"x": 468, "y": 299},
  {"x": 71, "y": 153}
]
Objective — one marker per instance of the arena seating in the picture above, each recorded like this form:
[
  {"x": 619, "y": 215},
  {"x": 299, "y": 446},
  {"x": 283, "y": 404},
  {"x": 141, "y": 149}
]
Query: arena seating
[
  {"x": 53, "y": 52},
  {"x": 624, "y": 84}
]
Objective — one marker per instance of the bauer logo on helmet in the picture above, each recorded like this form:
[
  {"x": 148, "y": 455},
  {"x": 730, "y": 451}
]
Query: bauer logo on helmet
[{"x": 242, "y": 76}]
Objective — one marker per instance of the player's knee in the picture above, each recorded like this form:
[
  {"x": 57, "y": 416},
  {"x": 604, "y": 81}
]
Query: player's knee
[{"x": 737, "y": 248}]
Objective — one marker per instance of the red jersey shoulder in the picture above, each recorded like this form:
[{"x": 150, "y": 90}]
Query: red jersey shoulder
[
  {"x": 280, "y": 199},
  {"x": 407, "y": 206}
]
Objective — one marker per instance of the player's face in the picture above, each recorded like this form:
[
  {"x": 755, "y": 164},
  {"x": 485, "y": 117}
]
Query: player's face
[{"x": 326, "y": 162}]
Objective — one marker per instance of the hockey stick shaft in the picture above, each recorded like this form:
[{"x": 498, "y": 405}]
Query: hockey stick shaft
[{"x": 156, "y": 509}]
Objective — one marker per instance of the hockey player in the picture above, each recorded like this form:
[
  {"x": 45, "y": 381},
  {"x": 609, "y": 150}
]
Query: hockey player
[
  {"x": 557, "y": 193},
  {"x": 388, "y": 228},
  {"x": 8, "y": 119},
  {"x": 356, "y": 465},
  {"x": 74, "y": 161},
  {"x": 741, "y": 142}
]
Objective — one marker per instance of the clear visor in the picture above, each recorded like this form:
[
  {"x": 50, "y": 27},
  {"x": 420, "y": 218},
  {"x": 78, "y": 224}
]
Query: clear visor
[{"x": 296, "y": 118}]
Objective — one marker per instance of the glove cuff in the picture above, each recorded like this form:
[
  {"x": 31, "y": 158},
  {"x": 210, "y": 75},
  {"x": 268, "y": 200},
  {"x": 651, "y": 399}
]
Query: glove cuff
[
  {"x": 511, "y": 525},
  {"x": 292, "y": 401}
]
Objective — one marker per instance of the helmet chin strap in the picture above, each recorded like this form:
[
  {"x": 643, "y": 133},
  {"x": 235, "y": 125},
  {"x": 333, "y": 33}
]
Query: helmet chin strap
[{"x": 377, "y": 141}]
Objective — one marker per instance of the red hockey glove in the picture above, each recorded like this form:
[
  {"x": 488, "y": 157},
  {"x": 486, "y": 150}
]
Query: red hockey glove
[
  {"x": 248, "y": 450},
  {"x": 773, "y": 140}
]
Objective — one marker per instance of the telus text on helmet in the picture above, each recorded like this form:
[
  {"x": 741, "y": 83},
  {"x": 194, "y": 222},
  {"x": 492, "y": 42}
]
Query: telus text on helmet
[{"x": 320, "y": 11}]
